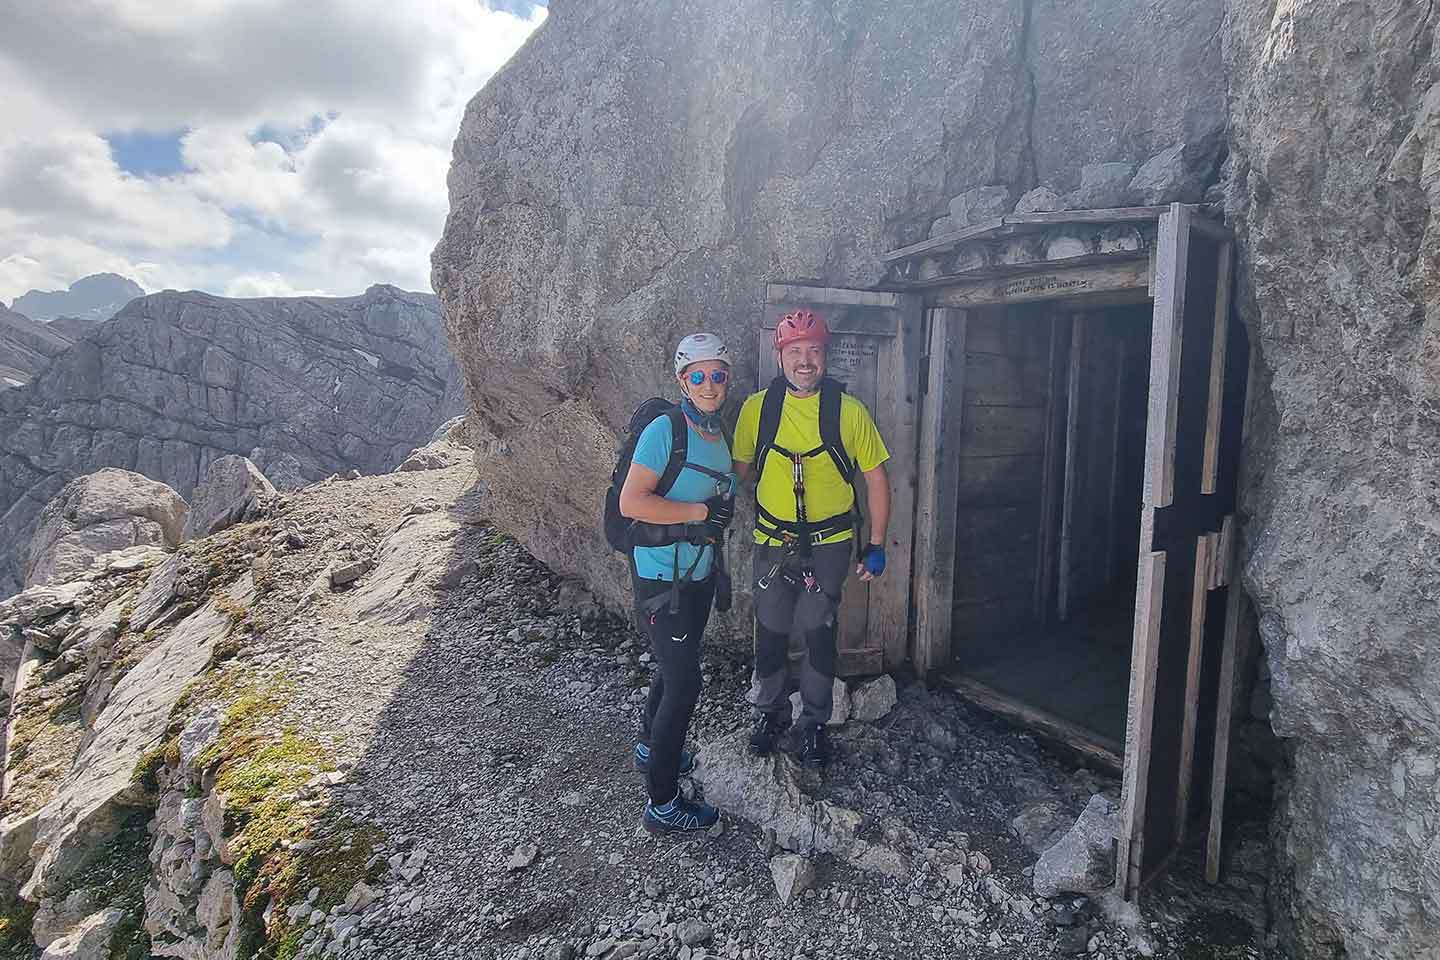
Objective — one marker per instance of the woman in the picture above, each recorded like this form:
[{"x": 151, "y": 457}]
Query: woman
[{"x": 675, "y": 581}]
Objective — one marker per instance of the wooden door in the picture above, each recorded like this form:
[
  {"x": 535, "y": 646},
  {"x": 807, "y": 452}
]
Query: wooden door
[
  {"x": 875, "y": 352},
  {"x": 1187, "y": 530}
]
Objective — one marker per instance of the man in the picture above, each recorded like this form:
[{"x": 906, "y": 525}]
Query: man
[{"x": 803, "y": 439}]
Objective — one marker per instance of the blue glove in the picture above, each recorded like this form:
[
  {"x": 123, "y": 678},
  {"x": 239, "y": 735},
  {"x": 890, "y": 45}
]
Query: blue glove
[{"x": 873, "y": 559}]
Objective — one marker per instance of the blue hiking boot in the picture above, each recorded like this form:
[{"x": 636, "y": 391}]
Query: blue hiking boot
[
  {"x": 679, "y": 816},
  {"x": 642, "y": 760}
]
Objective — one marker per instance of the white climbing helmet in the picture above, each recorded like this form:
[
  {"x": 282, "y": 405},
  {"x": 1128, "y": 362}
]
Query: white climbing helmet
[{"x": 698, "y": 347}]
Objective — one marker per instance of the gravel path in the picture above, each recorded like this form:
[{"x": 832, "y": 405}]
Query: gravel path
[{"x": 490, "y": 745}]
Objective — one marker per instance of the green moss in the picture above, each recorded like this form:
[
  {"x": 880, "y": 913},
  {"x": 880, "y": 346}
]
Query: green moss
[
  {"x": 146, "y": 774},
  {"x": 16, "y": 942}
]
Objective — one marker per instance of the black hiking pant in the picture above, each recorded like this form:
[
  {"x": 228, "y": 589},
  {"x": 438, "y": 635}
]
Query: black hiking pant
[{"x": 675, "y": 688}]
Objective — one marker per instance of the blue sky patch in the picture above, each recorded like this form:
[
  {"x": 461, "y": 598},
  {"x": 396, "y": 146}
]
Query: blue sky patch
[
  {"x": 292, "y": 139},
  {"x": 146, "y": 153},
  {"x": 521, "y": 8}
]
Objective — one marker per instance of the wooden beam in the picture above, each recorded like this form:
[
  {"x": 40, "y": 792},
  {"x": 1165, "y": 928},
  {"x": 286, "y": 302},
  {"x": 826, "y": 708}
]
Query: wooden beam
[
  {"x": 1047, "y": 282},
  {"x": 936, "y": 496},
  {"x": 1224, "y": 716},
  {"x": 1089, "y": 744},
  {"x": 1165, "y": 338},
  {"x": 1056, "y": 218},
  {"x": 1140, "y": 711},
  {"x": 1053, "y": 464},
  {"x": 1112, "y": 506},
  {"x": 943, "y": 241},
  {"x": 834, "y": 296},
  {"x": 1202, "y": 223},
  {"x": 1199, "y": 602},
  {"x": 1078, "y": 328},
  {"x": 1219, "y": 341},
  {"x": 898, "y": 390}
]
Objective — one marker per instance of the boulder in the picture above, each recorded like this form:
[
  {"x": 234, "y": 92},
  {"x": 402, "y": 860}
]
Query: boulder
[
  {"x": 1083, "y": 859},
  {"x": 978, "y": 205},
  {"x": 1040, "y": 200},
  {"x": 575, "y": 254},
  {"x": 1171, "y": 176},
  {"x": 89, "y": 939},
  {"x": 793, "y": 875},
  {"x": 110, "y": 509},
  {"x": 767, "y": 792},
  {"x": 1041, "y": 824},
  {"x": 231, "y": 489},
  {"x": 1102, "y": 185},
  {"x": 873, "y": 699}
]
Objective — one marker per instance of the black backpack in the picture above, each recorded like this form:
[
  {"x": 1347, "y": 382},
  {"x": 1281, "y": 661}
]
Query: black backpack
[{"x": 617, "y": 526}]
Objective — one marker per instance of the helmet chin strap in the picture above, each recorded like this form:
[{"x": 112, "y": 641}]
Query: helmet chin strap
[{"x": 709, "y": 422}]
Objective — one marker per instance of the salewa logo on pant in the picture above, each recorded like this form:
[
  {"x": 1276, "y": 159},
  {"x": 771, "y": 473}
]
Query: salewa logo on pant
[{"x": 682, "y": 638}]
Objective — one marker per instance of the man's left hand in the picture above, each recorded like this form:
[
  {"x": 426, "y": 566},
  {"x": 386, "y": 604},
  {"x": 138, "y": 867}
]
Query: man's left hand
[{"x": 872, "y": 563}]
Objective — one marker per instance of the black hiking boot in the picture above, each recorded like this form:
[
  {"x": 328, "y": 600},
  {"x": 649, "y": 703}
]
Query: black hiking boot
[
  {"x": 814, "y": 747},
  {"x": 768, "y": 731}
]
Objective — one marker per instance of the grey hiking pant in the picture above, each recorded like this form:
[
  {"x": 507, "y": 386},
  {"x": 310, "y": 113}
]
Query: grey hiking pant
[{"x": 782, "y": 607}]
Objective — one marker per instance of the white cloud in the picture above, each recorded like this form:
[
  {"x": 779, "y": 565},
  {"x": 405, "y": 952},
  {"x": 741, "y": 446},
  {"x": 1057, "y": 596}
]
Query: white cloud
[{"x": 365, "y": 97}]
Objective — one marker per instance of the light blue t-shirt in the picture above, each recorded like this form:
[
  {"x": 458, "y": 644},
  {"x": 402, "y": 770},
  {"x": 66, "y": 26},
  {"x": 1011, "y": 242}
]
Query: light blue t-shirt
[{"x": 652, "y": 450}]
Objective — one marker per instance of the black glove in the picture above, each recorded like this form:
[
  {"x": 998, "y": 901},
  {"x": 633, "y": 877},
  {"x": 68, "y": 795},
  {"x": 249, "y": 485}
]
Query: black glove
[{"x": 719, "y": 511}]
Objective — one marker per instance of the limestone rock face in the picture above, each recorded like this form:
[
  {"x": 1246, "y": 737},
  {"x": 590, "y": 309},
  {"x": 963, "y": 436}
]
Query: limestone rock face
[
  {"x": 107, "y": 510},
  {"x": 1336, "y": 145},
  {"x": 177, "y": 380},
  {"x": 26, "y": 346},
  {"x": 681, "y": 155},
  {"x": 232, "y": 487}
]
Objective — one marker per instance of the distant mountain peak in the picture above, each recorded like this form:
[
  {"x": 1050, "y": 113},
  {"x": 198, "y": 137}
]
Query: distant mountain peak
[{"x": 96, "y": 297}]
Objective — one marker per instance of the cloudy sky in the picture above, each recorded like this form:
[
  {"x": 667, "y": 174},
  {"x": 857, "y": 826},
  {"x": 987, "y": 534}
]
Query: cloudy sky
[{"x": 244, "y": 147}]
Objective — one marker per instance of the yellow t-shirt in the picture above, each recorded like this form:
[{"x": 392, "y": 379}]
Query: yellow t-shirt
[{"x": 826, "y": 492}]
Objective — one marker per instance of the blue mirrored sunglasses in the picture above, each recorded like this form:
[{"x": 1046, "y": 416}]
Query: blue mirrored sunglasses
[{"x": 697, "y": 377}]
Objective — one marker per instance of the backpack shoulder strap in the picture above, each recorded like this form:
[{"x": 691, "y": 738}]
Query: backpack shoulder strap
[
  {"x": 679, "y": 450},
  {"x": 769, "y": 426},
  {"x": 832, "y": 397}
]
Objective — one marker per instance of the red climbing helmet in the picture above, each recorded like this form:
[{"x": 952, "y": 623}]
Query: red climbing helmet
[{"x": 799, "y": 325}]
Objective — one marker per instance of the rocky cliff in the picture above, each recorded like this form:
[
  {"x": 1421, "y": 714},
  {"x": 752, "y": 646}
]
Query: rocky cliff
[
  {"x": 177, "y": 380},
  {"x": 1336, "y": 130},
  {"x": 641, "y": 168},
  {"x": 26, "y": 346},
  {"x": 96, "y": 297}
]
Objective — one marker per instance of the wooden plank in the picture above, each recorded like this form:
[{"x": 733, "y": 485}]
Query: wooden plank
[
  {"x": 1005, "y": 481},
  {"x": 1073, "y": 413},
  {"x": 1219, "y": 342},
  {"x": 1111, "y": 215},
  {"x": 1198, "y": 602},
  {"x": 1201, "y": 223},
  {"x": 1002, "y": 381},
  {"x": 1112, "y": 507},
  {"x": 897, "y": 410},
  {"x": 1089, "y": 744},
  {"x": 799, "y": 294},
  {"x": 1150, "y": 278},
  {"x": 935, "y": 513},
  {"x": 1003, "y": 431},
  {"x": 1048, "y": 554},
  {"x": 1045, "y": 282},
  {"x": 1139, "y": 714},
  {"x": 1099, "y": 215},
  {"x": 1017, "y": 333},
  {"x": 1165, "y": 336},
  {"x": 1224, "y": 720},
  {"x": 945, "y": 241}
]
